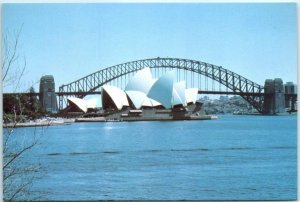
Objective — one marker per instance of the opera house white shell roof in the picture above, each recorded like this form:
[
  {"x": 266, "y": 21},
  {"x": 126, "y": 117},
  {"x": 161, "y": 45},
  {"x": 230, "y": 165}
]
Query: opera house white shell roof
[
  {"x": 84, "y": 105},
  {"x": 117, "y": 95},
  {"x": 137, "y": 98},
  {"x": 92, "y": 103},
  {"x": 191, "y": 95},
  {"x": 80, "y": 103},
  {"x": 162, "y": 89},
  {"x": 143, "y": 91},
  {"x": 142, "y": 81},
  {"x": 179, "y": 93}
]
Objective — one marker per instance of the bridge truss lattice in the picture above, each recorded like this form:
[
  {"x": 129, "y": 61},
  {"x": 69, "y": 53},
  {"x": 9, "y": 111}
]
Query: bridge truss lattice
[{"x": 249, "y": 90}]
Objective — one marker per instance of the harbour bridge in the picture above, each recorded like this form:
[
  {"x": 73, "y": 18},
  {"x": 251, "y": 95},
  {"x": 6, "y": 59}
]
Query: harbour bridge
[
  {"x": 208, "y": 78},
  {"x": 189, "y": 70}
]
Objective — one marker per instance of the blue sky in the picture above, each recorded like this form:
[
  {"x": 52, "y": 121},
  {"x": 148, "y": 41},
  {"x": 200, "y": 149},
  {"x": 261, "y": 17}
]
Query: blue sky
[{"x": 70, "y": 41}]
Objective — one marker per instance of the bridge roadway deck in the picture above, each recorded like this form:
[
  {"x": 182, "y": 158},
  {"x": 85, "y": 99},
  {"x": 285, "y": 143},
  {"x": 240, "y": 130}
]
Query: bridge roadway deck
[{"x": 99, "y": 92}]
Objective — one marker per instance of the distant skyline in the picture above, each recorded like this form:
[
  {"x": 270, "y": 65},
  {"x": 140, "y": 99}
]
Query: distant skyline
[{"x": 70, "y": 41}]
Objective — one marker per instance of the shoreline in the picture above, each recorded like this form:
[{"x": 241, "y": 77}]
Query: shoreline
[
  {"x": 66, "y": 121},
  {"x": 38, "y": 123},
  {"x": 63, "y": 121}
]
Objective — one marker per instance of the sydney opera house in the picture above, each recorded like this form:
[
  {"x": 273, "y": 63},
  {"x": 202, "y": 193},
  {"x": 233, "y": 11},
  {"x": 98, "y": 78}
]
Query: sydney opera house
[{"x": 145, "y": 98}]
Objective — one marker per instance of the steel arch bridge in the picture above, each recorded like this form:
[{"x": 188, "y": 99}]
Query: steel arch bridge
[{"x": 249, "y": 90}]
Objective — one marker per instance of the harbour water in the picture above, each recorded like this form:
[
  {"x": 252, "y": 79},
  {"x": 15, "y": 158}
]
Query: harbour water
[{"x": 231, "y": 158}]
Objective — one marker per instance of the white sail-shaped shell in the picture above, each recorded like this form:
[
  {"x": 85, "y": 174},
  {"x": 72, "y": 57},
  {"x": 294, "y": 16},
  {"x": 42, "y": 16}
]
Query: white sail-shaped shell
[
  {"x": 92, "y": 103},
  {"x": 141, "y": 81},
  {"x": 148, "y": 102},
  {"x": 162, "y": 89},
  {"x": 179, "y": 93},
  {"x": 154, "y": 103},
  {"x": 137, "y": 98},
  {"x": 117, "y": 95},
  {"x": 80, "y": 103},
  {"x": 176, "y": 100},
  {"x": 191, "y": 95}
]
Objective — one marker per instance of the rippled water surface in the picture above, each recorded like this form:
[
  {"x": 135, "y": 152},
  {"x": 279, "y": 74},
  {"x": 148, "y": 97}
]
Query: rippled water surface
[{"x": 234, "y": 157}]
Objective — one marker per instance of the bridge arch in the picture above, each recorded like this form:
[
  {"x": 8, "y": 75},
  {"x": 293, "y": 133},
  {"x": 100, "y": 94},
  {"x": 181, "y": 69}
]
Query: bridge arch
[{"x": 246, "y": 88}]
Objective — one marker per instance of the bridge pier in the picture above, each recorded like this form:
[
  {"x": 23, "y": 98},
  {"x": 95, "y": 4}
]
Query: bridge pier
[
  {"x": 290, "y": 96},
  {"x": 293, "y": 105},
  {"x": 47, "y": 95},
  {"x": 274, "y": 99}
]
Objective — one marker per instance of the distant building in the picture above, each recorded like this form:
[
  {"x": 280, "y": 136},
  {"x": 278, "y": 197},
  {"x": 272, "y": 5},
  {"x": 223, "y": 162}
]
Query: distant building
[
  {"x": 205, "y": 98},
  {"x": 47, "y": 94},
  {"x": 224, "y": 98}
]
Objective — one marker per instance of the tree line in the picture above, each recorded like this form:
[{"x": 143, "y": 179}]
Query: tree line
[{"x": 24, "y": 106}]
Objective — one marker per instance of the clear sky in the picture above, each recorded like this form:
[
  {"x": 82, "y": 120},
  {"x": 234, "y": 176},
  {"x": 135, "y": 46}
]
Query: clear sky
[{"x": 69, "y": 41}]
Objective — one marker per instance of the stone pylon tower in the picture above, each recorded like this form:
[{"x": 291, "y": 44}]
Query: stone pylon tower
[
  {"x": 274, "y": 101},
  {"x": 47, "y": 94}
]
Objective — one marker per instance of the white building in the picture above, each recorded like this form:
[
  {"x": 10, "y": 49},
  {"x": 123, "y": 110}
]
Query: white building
[{"x": 143, "y": 91}]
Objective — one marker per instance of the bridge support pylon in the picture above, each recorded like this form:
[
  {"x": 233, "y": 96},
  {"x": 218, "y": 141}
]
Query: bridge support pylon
[
  {"x": 274, "y": 99},
  {"x": 47, "y": 94}
]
